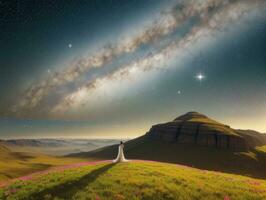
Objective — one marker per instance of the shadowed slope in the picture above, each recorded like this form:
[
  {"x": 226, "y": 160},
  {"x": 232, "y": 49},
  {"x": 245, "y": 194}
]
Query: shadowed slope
[
  {"x": 72, "y": 188},
  {"x": 196, "y": 128},
  {"x": 218, "y": 149},
  {"x": 246, "y": 163}
]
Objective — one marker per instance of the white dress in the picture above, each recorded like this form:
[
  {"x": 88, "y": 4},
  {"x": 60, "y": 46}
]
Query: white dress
[{"x": 120, "y": 156}]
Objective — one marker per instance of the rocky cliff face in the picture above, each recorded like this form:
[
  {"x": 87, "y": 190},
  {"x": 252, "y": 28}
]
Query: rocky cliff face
[{"x": 198, "y": 129}]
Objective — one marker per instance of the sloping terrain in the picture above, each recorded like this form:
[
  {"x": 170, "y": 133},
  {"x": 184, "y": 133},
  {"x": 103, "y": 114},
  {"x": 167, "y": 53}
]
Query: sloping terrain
[
  {"x": 252, "y": 163},
  {"x": 254, "y": 138},
  {"x": 156, "y": 145},
  {"x": 136, "y": 180},
  {"x": 196, "y": 128},
  {"x": 14, "y": 164},
  {"x": 55, "y": 147}
]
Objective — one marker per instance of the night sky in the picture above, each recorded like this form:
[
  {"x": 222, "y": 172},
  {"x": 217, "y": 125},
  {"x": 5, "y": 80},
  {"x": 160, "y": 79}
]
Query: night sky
[{"x": 113, "y": 68}]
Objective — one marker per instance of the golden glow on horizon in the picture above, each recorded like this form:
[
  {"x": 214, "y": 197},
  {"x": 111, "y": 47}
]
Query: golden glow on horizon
[{"x": 132, "y": 131}]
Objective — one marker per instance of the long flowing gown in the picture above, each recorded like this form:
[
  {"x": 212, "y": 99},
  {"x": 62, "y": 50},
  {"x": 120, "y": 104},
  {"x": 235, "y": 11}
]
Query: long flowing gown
[{"x": 120, "y": 156}]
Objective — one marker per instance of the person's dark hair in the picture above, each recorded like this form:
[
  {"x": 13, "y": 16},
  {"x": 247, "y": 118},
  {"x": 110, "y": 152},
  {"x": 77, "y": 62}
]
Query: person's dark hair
[{"x": 121, "y": 142}]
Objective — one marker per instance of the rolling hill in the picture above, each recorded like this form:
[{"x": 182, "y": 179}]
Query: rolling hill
[
  {"x": 55, "y": 147},
  {"x": 254, "y": 138},
  {"x": 135, "y": 180},
  {"x": 198, "y": 129},
  {"x": 15, "y": 164},
  {"x": 210, "y": 146},
  {"x": 199, "y": 158}
]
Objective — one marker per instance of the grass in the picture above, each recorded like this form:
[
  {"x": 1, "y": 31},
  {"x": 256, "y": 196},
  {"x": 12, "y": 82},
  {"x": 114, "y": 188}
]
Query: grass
[
  {"x": 252, "y": 163},
  {"x": 15, "y": 164},
  {"x": 136, "y": 180},
  {"x": 262, "y": 149}
]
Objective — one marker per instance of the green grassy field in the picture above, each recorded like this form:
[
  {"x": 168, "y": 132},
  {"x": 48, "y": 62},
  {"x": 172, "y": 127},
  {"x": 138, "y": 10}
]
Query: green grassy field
[
  {"x": 136, "y": 180},
  {"x": 262, "y": 149},
  {"x": 251, "y": 163},
  {"x": 15, "y": 164}
]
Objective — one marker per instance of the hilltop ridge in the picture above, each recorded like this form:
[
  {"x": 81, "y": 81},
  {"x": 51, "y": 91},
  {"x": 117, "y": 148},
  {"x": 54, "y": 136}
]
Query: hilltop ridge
[
  {"x": 196, "y": 128},
  {"x": 200, "y": 142}
]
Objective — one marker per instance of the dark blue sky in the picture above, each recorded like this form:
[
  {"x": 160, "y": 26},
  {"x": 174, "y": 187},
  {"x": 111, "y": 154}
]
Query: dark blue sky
[
  {"x": 110, "y": 68},
  {"x": 35, "y": 34}
]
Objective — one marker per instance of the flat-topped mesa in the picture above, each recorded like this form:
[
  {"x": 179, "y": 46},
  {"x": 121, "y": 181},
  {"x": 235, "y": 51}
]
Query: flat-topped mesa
[{"x": 198, "y": 129}]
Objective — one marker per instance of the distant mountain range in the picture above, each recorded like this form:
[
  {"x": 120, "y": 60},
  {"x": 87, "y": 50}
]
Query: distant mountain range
[
  {"x": 56, "y": 146},
  {"x": 196, "y": 140},
  {"x": 23, "y": 156}
]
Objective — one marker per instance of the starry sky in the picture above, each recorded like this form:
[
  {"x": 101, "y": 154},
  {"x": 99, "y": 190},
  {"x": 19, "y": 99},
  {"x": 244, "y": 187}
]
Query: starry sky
[{"x": 113, "y": 68}]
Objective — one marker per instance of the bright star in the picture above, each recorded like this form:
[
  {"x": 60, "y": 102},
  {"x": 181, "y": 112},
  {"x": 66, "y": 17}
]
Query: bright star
[
  {"x": 200, "y": 77},
  {"x": 178, "y": 92},
  {"x": 70, "y": 45}
]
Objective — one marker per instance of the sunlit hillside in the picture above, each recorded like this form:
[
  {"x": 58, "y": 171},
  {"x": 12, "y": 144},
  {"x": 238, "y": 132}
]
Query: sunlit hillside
[
  {"x": 14, "y": 164},
  {"x": 136, "y": 180}
]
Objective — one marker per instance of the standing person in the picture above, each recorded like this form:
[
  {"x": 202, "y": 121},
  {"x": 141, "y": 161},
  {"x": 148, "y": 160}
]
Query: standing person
[{"x": 120, "y": 156}]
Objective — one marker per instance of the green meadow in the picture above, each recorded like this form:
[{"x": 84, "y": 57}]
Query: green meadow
[
  {"x": 15, "y": 164},
  {"x": 136, "y": 180},
  {"x": 250, "y": 163}
]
